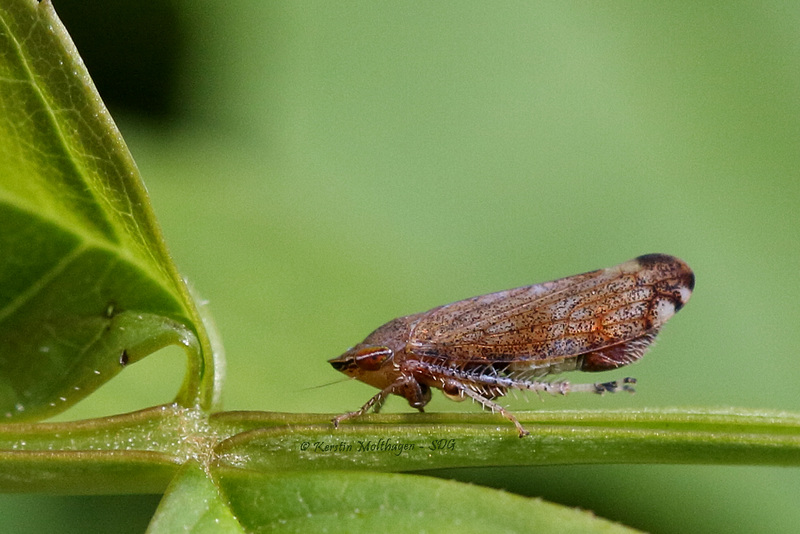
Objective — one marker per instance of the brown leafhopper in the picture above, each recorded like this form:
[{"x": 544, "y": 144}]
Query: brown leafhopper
[{"x": 484, "y": 346}]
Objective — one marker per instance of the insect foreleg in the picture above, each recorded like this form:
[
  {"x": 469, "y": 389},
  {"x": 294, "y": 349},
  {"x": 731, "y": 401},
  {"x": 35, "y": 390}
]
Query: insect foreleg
[
  {"x": 406, "y": 386},
  {"x": 377, "y": 400}
]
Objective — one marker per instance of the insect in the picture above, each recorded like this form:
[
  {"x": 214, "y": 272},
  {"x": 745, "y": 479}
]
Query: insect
[{"x": 482, "y": 347}]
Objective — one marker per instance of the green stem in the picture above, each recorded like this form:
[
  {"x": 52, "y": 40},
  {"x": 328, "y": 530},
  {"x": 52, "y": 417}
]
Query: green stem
[
  {"x": 141, "y": 451},
  {"x": 430, "y": 441}
]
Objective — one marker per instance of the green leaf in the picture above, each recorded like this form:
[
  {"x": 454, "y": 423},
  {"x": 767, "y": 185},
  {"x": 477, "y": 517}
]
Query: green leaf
[
  {"x": 370, "y": 502},
  {"x": 236, "y": 501},
  {"x": 192, "y": 503},
  {"x": 86, "y": 283}
]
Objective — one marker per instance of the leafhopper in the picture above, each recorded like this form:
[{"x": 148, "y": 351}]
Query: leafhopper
[{"x": 482, "y": 347}]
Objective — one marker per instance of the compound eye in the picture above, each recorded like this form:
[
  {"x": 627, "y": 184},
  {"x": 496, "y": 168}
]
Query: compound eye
[{"x": 372, "y": 358}]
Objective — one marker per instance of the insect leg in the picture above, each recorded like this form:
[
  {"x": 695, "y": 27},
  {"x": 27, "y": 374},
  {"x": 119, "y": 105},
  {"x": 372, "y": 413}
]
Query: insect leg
[
  {"x": 377, "y": 401},
  {"x": 376, "y": 408},
  {"x": 553, "y": 388},
  {"x": 604, "y": 387},
  {"x": 562, "y": 388},
  {"x": 491, "y": 405}
]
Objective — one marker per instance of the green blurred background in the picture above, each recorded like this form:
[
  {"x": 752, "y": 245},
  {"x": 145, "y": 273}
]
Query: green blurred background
[{"x": 320, "y": 168}]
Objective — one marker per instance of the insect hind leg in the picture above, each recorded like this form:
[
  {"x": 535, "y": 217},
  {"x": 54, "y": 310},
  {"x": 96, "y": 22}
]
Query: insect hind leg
[
  {"x": 626, "y": 384},
  {"x": 557, "y": 388},
  {"x": 553, "y": 388}
]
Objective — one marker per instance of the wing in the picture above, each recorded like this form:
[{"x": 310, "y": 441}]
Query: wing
[{"x": 622, "y": 306}]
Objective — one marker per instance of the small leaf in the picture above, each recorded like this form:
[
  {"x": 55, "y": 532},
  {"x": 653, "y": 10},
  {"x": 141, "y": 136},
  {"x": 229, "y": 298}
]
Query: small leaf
[
  {"x": 372, "y": 502},
  {"x": 192, "y": 503},
  {"x": 86, "y": 284}
]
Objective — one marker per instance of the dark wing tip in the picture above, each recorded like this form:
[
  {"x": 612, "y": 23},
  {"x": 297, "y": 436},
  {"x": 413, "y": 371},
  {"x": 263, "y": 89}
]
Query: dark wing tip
[
  {"x": 690, "y": 280},
  {"x": 667, "y": 262},
  {"x": 674, "y": 269},
  {"x": 648, "y": 260}
]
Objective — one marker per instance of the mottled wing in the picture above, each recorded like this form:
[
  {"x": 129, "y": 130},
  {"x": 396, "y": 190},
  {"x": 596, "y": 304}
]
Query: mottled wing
[{"x": 622, "y": 307}]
